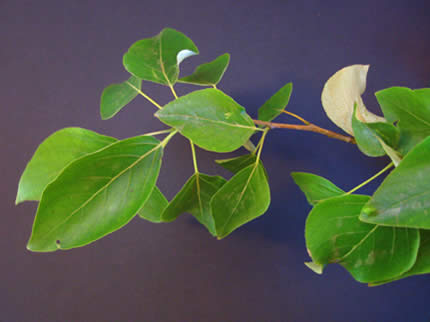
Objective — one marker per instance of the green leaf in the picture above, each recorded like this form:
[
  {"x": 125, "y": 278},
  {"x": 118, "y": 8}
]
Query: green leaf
[
  {"x": 96, "y": 194},
  {"x": 53, "y": 154},
  {"x": 243, "y": 198},
  {"x": 276, "y": 104},
  {"x": 315, "y": 188},
  {"x": 208, "y": 74},
  {"x": 194, "y": 198},
  {"x": 154, "y": 206},
  {"x": 237, "y": 163},
  {"x": 315, "y": 267},
  {"x": 334, "y": 234},
  {"x": 367, "y": 140},
  {"x": 157, "y": 59},
  {"x": 116, "y": 96},
  {"x": 386, "y": 132},
  {"x": 403, "y": 198},
  {"x": 209, "y": 118},
  {"x": 411, "y": 108}
]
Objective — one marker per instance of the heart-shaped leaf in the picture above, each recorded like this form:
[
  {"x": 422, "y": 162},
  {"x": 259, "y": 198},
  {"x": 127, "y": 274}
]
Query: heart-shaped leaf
[
  {"x": 53, "y": 154},
  {"x": 371, "y": 253},
  {"x": 209, "y": 118},
  {"x": 96, "y": 194},
  {"x": 208, "y": 74},
  {"x": 157, "y": 59},
  {"x": 116, "y": 96},
  {"x": 341, "y": 92},
  {"x": 276, "y": 104},
  {"x": 403, "y": 198}
]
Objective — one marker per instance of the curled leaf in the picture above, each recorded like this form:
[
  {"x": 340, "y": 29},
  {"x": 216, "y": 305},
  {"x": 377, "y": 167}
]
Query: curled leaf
[{"x": 341, "y": 92}]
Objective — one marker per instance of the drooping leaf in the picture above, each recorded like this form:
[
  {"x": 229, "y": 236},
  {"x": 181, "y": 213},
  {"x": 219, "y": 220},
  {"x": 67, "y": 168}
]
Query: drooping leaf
[
  {"x": 411, "y": 108},
  {"x": 341, "y": 92},
  {"x": 334, "y": 234},
  {"x": 154, "y": 206},
  {"x": 208, "y": 74},
  {"x": 386, "y": 132},
  {"x": 194, "y": 198},
  {"x": 96, "y": 194},
  {"x": 243, "y": 198},
  {"x": 53, "y": 154},
  {"x": 209, "y": 118},
  {"x": 237, "y": 163},
  {"x": 403, "y": 198},
  {"x": 157, "y": 59},
  {"x": 276, "y": 104},
  {"x": 116, "y": 96},
  {"x": 315, "y": 188},
  {"x": 367, "y": 140}
]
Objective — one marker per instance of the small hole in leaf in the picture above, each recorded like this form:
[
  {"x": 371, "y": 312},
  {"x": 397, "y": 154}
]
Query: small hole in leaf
[{"x": 58, "y": 242}]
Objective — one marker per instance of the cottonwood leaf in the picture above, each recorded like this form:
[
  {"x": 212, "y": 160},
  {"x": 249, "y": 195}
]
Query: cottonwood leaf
[
  {"x": 237, "y": 163},
  {"x": 53, "y": 154},
  {"x": 341, "y": 92},
  {"x": 209, "y": 118},
  {"x": 411, "y": 108},
  {"x": 116, "y": 96},
  {"x": 243, "y": 198},
  {"x": 157, "y": 59},
  {"x": 194, "y": 198},
  {"x": 153, "y": 206},
  {"x": 334, "y": 234},
  {"x": 403, "y": 198},
  {"x": 276, "y": 104},
  {"x": 96, "y": 194},
  {"x": 208, "y": 74},
  {"x": 315, "y": 188}
]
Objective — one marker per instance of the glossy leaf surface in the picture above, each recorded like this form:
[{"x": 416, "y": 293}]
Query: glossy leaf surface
[
  {"x": 53, "y": 154},
  {"x": 334, "y": 234},
  {"x": 96, "y": 194},
  {"x": 208, "y": 74},
  {"x": 403, "y": 198},
  {"x": 154, "y": 206},
  {"x": 367, "y": 140},
  {"x": 116, "y": 96},
  {"x": 157, "y": 59},
  {"x": 276, "y": 104},
  {"x": 315, "y": 188},
  {"x": 209, "y": 118},
  {"x": 194, "y": 198},
  {"x": 411, "y": 108},
  {"x": 243, "y": 198}
]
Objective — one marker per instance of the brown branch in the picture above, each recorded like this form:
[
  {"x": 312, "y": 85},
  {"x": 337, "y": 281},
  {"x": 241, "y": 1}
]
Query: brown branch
[{"x": 308, "y": 127}]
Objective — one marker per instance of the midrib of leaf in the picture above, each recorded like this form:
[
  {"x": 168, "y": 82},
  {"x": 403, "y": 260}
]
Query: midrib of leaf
[
  {"x": 242, "y": 193},
  {"x": 185, "y": 117},
  {"x": 413, "y": 115},
  {"x": 198, "y": 194},
  {"x": 161, "y": 61},
  {"x": 106, "y": 186},
  {"x": 358, "y": 244}
]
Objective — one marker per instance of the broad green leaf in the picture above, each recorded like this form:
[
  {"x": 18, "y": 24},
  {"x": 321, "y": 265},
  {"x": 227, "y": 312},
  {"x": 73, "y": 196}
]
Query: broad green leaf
[
  {"x": 237, "y": 163},
  {"x": 154, "y": 206},
  {"x": 53, "y": 154},
  {"x": 341, "y": 92},
  {"x": 243, "y": 198},
  {"x": 315, "y": 188},
  {"x": 403, "y": 198},
  {"x": 209, "y": 118},
  {"x": 334, "y": 234},
  {"x": 411, "y": 108},
  {"x": 194, "y": 198},
  {"x": 367, "y": 140},
  {"x": 157, "y": 59},
  {"x": 96, "y": 194},
  {"x": 208, "y": 74},
  {"x": 116, "y": 96},
  {"x": 422, "y": 264},
  {"x": 276, "y": 104}
]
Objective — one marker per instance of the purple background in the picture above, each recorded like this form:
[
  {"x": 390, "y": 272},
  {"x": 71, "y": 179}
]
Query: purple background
[{"x": 57, "y": 56}]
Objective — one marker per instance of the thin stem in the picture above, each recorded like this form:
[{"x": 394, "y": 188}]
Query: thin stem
[
  {"x": 159, "y": 132},
  {"x": 173, "y": 90},
  {"x": 144, "y": 95},
  {"x": 167, "y": 138},
  {"x": 296, "y": 116},
  {"x": 370, "y": 179},
  {"x": 193, "y": 151},
  {"x": 214, "y": 86},
  {"x": 308, "y": 127},
  {"x": 261, "y": 143}
]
